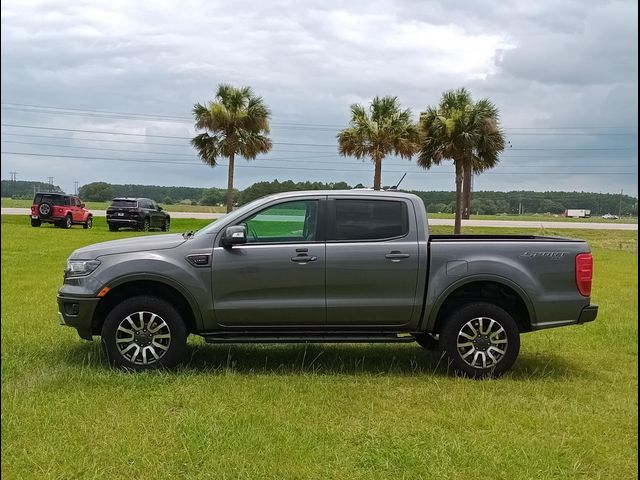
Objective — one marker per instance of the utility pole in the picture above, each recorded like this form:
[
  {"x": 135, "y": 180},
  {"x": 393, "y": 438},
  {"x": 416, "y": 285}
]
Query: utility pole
[
  {"x": 50, "y": 183},
  {"x": 620, "y": 206},
  {"x": 13, "y": 183},
  {"x": 75, "y": 187}
]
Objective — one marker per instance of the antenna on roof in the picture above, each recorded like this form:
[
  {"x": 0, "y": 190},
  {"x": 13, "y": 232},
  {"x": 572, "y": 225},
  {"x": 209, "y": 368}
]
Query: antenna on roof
[{"x": 395, "y": 187}]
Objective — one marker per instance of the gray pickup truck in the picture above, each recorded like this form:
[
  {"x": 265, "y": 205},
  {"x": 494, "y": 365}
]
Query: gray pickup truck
[{"x": 326, "y": 266}]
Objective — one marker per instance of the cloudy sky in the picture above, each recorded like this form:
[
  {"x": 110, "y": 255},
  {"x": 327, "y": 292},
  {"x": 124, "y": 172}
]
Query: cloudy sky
[{"x": 563, "y": 74}]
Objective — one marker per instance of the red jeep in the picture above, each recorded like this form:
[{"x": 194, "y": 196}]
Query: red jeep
[{"x": 60, "y": 209}]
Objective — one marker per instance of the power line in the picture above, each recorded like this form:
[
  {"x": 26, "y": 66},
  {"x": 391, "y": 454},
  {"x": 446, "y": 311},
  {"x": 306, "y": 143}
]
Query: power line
[
  {"x": 137, "y": 151},
  {"x": 106, "y": 140},
  {"x": 303, "y": 168},
  {"x": 145, "y": 135},
  {"x": 102, "y": 132},
  {"x": 44, "y": 108},
  {"x": 187, "y": 145},
  {"x": 297, "y": 159}
]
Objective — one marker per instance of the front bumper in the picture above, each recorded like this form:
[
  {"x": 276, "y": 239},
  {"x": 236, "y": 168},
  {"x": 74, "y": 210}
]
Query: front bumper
[
  {"x": 588, "y": 314},
  {"x": 77, "y": 312}
]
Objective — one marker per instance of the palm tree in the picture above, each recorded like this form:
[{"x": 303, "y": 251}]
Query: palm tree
[
  {"x": 463, "y": 131},
  {"x": 383, "y": 130},
  {"x": 237, "y": 123}
]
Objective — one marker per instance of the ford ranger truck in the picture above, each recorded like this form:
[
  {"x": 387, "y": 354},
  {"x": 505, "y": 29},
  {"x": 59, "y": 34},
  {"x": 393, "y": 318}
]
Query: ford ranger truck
[{"x": 326, "y": 266}]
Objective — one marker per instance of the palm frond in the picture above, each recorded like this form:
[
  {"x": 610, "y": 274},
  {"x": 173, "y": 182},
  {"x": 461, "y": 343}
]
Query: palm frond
[{"x": 207, "y": 147}]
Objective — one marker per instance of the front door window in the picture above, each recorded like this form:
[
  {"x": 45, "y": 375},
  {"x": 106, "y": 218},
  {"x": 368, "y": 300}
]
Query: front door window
[{"x": 284, "y": 223}]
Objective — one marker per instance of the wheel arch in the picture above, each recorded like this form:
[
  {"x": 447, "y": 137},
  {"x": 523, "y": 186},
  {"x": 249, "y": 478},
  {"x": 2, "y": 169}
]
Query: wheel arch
[
  {"x": 155, "y": 285},
  {"x": 488, "y": 288}
]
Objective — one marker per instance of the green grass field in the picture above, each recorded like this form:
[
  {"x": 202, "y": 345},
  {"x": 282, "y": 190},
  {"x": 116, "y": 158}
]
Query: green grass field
[
  {"x": 9, "y": 202},
  {"x": 568, "y": 409},
  {"x": 13, "y": 203}
]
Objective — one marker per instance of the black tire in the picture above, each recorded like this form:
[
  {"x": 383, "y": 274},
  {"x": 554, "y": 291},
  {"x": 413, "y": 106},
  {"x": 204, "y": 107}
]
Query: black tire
[
  {"x": 166, "y": 225},
  {"x": 502, "y": 335},
  {"x": 113, "y": 228},
  {"x": 143, "y": 341},
  {"x": 145, "y": 225},
  {"x": 35, "y": 223},
  {"x": 88, "y": 223},
  {"x": 427, "y": 341},
  {"x": 45, "y": 209},
  {"x": 66, "y": 222}
]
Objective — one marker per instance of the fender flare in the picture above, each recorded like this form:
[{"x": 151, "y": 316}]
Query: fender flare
[
  {"x": 154, "y": 277},
  {"x": 435, "y": 310}
]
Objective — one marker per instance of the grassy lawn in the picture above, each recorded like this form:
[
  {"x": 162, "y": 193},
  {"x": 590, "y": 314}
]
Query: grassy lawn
[
  {"x": 8, "y": 202},
  {"x": 11, "y": 203},
  {"x": 568, "y": 409}
]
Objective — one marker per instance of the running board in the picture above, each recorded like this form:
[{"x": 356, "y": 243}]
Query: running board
[{"x": 310, "y": 337}]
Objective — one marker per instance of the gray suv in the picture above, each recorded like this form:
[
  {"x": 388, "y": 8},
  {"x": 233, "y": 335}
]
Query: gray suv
[{"x": 326, "y": 266}]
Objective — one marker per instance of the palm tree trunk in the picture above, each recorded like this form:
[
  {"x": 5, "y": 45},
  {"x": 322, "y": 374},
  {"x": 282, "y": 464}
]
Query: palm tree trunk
[
  {"x": 466, "y": 191},
  {"x": 458, "y": 222},
  {"x": 377, "y": 176},
  {"x": 230, "y": 184}
]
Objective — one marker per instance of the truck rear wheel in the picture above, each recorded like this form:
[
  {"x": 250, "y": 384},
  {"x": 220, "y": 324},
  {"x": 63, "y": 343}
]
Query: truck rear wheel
[
  {"x": 144, "y": 333},
  {"x": 480, "y": 340}
]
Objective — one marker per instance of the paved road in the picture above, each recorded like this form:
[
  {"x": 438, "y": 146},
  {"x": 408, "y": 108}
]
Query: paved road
[{"x": 434, "y": 221}]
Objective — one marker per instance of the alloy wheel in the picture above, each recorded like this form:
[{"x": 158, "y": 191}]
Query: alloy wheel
[
  {"x": 143, "y": 338},
  {"x": 482, "y": 342}
]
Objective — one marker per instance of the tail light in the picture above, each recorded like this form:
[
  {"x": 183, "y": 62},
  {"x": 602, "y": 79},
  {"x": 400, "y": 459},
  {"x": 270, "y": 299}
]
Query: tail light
[{"x": 584, "y": 273}]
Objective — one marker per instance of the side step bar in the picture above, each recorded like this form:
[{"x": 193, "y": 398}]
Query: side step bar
[{"x": 310, "y": 337}]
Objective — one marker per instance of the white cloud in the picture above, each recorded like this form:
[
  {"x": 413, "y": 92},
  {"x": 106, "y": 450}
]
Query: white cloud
[{"x": 543, "y": 64}]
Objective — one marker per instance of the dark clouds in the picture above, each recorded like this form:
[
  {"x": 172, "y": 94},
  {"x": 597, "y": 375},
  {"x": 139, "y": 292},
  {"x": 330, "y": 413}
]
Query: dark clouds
[{"x": 545, "y": 64}]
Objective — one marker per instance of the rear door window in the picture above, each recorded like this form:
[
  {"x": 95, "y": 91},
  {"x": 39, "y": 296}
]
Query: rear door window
[
  {"x": 59, "y": 200},
  {"x": 369, "y": 220}
]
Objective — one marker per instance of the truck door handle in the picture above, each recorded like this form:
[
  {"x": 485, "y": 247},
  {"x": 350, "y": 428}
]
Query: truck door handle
[
  {"x": 303, "y": 258},
  {"x": 395, "y": 255}
]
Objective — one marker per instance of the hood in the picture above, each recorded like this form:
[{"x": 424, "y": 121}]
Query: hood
[{"x": 129, "y": 245}]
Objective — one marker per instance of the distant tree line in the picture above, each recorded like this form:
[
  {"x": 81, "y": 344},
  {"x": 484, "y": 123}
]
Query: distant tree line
[
  {"x": 483, "y": 203},
  {"x": 26, "y": 189},
  {"x": 491, "y": 203}
]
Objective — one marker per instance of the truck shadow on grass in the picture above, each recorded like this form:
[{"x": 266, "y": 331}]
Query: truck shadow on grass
[
  {"x": 354, "y": 359},
  {"x": 332, "y": 359}
]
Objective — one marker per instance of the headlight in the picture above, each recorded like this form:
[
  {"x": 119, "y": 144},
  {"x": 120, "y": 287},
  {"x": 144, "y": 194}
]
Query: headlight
[{"x": 78, "y": 268}]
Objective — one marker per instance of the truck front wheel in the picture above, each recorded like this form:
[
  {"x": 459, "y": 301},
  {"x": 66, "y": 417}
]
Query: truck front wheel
[
  {"x": 480, "y": 340},
  {"x": 144, "y": 333}
]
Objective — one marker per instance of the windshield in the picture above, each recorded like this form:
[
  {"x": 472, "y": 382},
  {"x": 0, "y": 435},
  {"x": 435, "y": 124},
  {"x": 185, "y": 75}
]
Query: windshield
[{"x": 230, "y": 216}]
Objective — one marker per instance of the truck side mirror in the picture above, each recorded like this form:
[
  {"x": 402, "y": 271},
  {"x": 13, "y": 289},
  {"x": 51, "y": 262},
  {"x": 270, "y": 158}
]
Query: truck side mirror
[{"x": 234, "y": 235}]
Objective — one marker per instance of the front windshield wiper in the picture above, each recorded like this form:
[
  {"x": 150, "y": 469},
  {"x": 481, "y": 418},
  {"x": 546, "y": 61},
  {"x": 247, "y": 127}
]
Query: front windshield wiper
[{"x": 188, "y": 235}]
